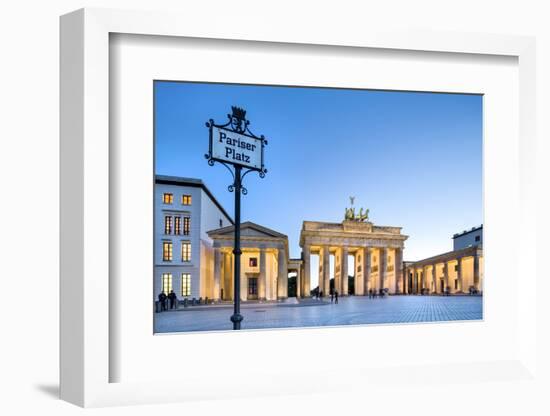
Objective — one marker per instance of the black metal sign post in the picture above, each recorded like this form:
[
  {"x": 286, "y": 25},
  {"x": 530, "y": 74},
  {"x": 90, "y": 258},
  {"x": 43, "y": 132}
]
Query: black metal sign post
[{"x": 234, "y": 144}]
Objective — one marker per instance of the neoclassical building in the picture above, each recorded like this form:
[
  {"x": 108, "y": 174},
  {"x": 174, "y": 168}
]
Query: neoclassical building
[
  {"x": 264, "y": 263},
  {"x": 194, "y": 253},
  {"x": 456, "y": 271},
  {"x": 377, "y": 252}
]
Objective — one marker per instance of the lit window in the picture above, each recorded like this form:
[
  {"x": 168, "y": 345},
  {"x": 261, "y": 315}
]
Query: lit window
[
  {"x": 168, "y": 198},
  {"x": 166, "y": 282},
  {"x": 177, "y": 225},
  {"x": 168, "y": 224},
  {"x": 167, "y": 251},
  {"x": 253, "y": 262},
  {"x": 186, "y": 199},
  {"x": 186, "y": 284},
  {"x": 185, "y": 251},
  {"x": 186, "y": 225}
]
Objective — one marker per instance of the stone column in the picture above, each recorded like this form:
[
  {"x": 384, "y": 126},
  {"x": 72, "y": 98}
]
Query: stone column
[
  {"x": 476, "y": 272},
  {"x": 326, "y": 271},
  {"x": 459, "y": 274},
  {"x": 217, "y": 273},
  {"x": 244, "y": 280},
  {"x": 262, "y": 280},
  {"x": 398, "y": 268},
  {"x": 446, "y": 275},
  {"x": 282, "y": 275},
  {"x": 360, "y": 276},
  {"x": 344, "y": 271},
  {"x": 366, "y": 272},
  {"x": 406, "y": 281},
  {"x": 337, "y": 271},
  {"x": 415, "y": 281},
  {"x": 306, "y": 254},
  {"x": 382, "y": 268},
  {"x": 227, "y": 276},
  {"x": 298, "y": 282},
  {"x": 434, "y": 278},
  {"x": 424, "y": 277}
]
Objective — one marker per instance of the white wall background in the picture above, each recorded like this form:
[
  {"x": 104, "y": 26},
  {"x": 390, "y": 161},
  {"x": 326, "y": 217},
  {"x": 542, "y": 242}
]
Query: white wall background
[{"x": 29, "y": 210}]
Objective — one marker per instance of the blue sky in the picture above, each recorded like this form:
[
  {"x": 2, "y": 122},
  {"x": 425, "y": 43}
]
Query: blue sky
[{"x": 414, "y": 159}]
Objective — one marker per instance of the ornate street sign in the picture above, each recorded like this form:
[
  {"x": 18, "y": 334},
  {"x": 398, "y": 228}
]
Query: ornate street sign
[{"x": 234, "y": 143}]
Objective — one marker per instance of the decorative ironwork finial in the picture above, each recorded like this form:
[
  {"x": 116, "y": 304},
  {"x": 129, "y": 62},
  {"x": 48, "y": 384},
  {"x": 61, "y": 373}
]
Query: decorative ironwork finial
[
  {"x": 238, "y": 112},
  {"x": 238, "y": 119}
]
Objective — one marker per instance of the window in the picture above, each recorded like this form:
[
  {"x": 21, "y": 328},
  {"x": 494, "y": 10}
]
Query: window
[
  {"x": 186, "y": 199},
  {"x": 166, "y": 251},
  {"x": 166, "y": 282},
  {"x": 177, "y": 225},
  {"x": 185, "y": 251},
  {"x": 253, "y": 262},
  {"x": 168, "y": 224},
  {"x": 186, "y": 284},
  {"x": 478, "y": 238},
  {"x": 456, "y": 284},
  {"x": 221, "y": 223},
  {"x": 168, "y": 198},
  {"x": 186, "y": 225},
  {"x": 456, "y": 269}
]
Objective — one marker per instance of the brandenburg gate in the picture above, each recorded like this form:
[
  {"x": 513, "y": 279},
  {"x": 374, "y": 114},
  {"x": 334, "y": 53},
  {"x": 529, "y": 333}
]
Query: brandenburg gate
[{"x": 377, "y": 252}]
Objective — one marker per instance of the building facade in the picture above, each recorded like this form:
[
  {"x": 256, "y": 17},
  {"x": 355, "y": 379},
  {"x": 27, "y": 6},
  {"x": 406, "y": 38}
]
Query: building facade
[
  {"x": 184, "y": 211},
  {"x": 470, "y": 238},
  {"x": 377, "y": 252},
  {"x": 455, "y": 272},
  {"x": 264, "y": 263}
]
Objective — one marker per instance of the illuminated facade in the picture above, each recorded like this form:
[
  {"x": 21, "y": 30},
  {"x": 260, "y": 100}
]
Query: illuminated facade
[
  {"x": 184, "y": 211},
  {"x": 377, "y": 252},
  {"x": 455, "y": 272},
  {"x": 194, "y": 253},
  {"x": 264, "y": 263}
]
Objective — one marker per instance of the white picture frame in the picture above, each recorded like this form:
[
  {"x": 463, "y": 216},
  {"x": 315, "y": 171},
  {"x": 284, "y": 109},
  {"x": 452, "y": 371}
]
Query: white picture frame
[{"x": 87, "y": 356}]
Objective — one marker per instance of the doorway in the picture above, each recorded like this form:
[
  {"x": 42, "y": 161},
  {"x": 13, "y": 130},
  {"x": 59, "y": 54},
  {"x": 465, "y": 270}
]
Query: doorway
[{"x": 252, "y": 288}]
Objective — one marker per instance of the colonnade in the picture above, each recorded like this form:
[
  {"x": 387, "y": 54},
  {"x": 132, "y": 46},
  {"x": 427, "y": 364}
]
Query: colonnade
[
  {"x": 375, "y": 268},
  {"x": 452, "y": 274},
  {"x": 264, "y": 274}
]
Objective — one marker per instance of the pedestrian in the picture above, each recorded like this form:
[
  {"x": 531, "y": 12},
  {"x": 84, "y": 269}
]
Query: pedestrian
[
  {"x": 321, "y": 294},
  {"x": 172, "y": 297},
  {"x": 162, "y": 301},
  {"x": 336, "y": 296},
  {"x": 331, "y": 296}
]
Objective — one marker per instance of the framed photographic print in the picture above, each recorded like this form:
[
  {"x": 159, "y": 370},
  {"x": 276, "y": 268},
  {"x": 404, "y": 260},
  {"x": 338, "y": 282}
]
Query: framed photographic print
[{"x": 287, "y": 207}]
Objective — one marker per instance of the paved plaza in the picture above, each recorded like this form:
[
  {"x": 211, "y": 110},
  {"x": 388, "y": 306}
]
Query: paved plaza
[{"x": 310, "y": 313}]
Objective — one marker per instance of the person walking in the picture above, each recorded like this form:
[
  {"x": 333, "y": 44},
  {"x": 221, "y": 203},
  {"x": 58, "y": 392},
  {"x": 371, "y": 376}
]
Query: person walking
[
  {"x": 172, "y": 297},
  {"x": 331, "y": 296},
  {"x": 336, "y": 297},
  {"x": 162, "y": 301}
]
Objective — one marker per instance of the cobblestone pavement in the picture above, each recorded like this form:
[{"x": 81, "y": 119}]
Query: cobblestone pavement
[{"x": 350, "y": 311}]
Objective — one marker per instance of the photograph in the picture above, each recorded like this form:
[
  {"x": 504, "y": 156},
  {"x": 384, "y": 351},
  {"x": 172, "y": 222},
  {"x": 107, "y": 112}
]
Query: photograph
[{"x": 282, "y": 206}]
